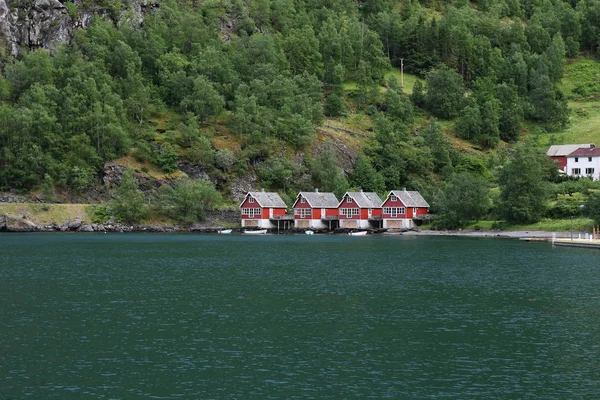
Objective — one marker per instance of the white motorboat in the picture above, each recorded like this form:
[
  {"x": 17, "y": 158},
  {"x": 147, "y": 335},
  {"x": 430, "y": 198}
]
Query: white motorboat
[
  {"x": 255, "y": 232},
  {"x": 359, "y": 233},
  {"x": 309, "y": 232},
  {"x": 225, "y": 231}
]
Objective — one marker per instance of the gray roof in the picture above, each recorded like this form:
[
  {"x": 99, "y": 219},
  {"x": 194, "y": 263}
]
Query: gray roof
[
  {"x": 319, "y": 199},
  {"x": 267, "y": 199},
  {"x": 365, "y": 199},
  {"x": 410, "y": 198},
  {"x": 566, "y": 149}
]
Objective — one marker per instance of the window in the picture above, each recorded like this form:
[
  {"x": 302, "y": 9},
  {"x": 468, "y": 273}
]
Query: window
[
  {"x": 393, "y": 198},
  {"x": 576, "y": 159},
  {"x": 303, "y": 212},
  {"x": 348, "y": 199},
  {"x": 590, "y": 159},
  {"x": 589, "y": 171},
  {"x": 349, "y": 212},
  {"x": 251, "y": 212},
  {"x": 250, "y": 199},
  {"x": 576, "y": 171},
  {"x": 302, "y": 200},
  {"x": 394, "y": 211},
  {"x": 414, "y": 211}
]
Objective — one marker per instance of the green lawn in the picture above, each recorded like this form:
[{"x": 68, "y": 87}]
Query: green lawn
[
  {"x": 409, "y": 80},
  {"x": 556, "y": 225},
  {"x": 583, "y": 126}
]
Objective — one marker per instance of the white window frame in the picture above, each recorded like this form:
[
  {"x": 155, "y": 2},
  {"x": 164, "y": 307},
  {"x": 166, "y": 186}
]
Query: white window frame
[
  {"x": 252, "y": 212},
  {"x": 589, "y": 159},
  {"x": 393, "y": 198},
  {"x": 576, "y": 171},
  {"x": 348, "y": 199},
  {"x": 250, "y": 199},
  {"x": 303, "y": 212},
  {"x": 302, "y": 200},
  {"x": 576, "y": 159},
  {"x": 349, "y": 212},
  {"x": 414, "y": 211},
  {"x": 589, "y": 171},
  {"x": 394, "y": 211}
]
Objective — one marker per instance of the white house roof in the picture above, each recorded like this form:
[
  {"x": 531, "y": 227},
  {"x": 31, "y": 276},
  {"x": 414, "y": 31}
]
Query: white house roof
[
  {"x": 410, "y": 198},
  {"x": 365, "y": 199},
  {"x": 266, "y": 199},
  {"x": 319, "y": 199},
  {"x": 566, "y": 149}
]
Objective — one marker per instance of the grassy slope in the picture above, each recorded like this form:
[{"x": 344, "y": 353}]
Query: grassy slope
[
  {"x": 581, "y": 85},
  {"x": 44, "y": 214}
]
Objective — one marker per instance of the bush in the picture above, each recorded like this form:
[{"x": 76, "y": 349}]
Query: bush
[
  {"x": 167, "y": 158},
  {"x": 224, "y": 159}
]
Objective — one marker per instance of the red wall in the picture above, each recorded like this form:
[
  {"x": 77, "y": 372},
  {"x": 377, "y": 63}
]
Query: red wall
[
  {"x": 364, "y": 212},
  {"x": 345, "y": 204},
  {"x": 247, "y": 204},
  {"x": 561, "y": 161},
  {"x": 265, "y": 214},
  {"x": 409, "y": 210},
  {"x": 299, "y": 204}
]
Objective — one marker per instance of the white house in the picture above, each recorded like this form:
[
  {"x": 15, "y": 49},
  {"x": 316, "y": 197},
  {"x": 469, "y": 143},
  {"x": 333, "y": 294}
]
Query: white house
[
  {"x": 559, "y": 153},
  {"x": 584, "y": 163}
]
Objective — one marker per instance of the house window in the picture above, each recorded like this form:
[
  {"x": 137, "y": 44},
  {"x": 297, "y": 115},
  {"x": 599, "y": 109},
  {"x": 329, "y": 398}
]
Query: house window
[
  {"x": 394, "y": 211},
  {"x": 414, "y": 210},
  {"x": 576, "y": 159},
  {"x": 303, "y": 212},
  {"x": 302, "y": 200},
  {"x": 349, "y": 212},
  {"x": 393, "y": 198},
  {"x": 348, "y": 199},
  {"x": 590, "y": 159},
  {"x": 251, "y": 212},
  {"x": 250, "y": 199},
  {"x": 589, "y": 171},
  {"x": 576, "y": 171}
]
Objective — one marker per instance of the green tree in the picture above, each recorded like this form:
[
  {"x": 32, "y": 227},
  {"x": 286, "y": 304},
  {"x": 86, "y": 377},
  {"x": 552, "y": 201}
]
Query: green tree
[
  {"x": 327, "y": 174},
  {"x": 364, "y": 176},
  {"x": 439, "y": 145},
  {"x": 524, "y": 190},
  {"x": 188, "y": 200},
  {"x": 48, "y": 188},
  {"x": 464, "y": 198},
  {"x": 445, "y": 93},
  {"x": 204, "y": 100},
  {"x": 592, "y": 207},
  {"x": 128, "y": 203},
  {"x": 549, "y": 105}
]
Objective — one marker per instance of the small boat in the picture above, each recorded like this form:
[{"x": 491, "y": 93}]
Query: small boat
[
  {"x": 359, "y": 233},
  {"x": 309, "y": 232},
  {"x": 224, "y": 231},
  {"x": 255, "y": 232}
]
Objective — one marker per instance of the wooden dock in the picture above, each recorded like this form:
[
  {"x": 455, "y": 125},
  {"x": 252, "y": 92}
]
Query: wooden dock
[{"x": 585, "y": 243}]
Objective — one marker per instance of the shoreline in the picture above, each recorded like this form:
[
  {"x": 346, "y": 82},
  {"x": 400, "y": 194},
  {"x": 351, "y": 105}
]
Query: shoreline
[{"x": 487, "y": 233}]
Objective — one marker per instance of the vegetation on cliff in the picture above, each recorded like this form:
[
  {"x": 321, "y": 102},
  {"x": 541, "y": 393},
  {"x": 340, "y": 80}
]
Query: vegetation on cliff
[{"x": 277, "y": 89}]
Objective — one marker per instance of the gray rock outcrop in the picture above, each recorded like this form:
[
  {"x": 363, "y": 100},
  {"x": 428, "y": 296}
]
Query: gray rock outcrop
[
  {"x": 40, "y": 23},
  {"x": 15, "y": 224}
]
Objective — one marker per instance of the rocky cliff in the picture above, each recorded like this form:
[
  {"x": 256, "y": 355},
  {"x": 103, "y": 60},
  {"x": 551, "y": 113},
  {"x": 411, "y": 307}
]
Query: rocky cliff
[{"x": 40, "y": 23}]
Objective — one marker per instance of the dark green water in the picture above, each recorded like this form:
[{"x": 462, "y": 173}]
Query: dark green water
[{"x": 296, "y": 317}]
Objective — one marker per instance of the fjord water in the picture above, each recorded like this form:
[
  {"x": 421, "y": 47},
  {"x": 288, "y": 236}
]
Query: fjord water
[{"x": 289, "y": 317}]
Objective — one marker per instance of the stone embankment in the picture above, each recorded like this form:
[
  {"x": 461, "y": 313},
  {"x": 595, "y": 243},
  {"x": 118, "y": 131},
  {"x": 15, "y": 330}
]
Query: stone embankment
[{"x": 215, "y": 221}]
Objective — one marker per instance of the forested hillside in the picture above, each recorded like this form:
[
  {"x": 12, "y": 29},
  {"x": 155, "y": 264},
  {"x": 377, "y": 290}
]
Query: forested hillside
[{"x": 283, "y": 91}]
